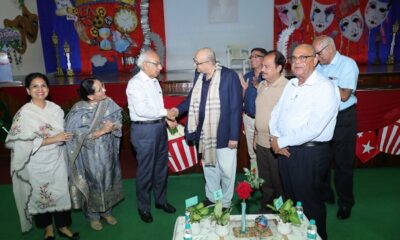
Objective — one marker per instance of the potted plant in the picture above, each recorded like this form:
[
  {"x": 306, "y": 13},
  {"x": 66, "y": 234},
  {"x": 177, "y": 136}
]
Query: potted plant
[
  {"x": 196, "y": 214},
  {"x": 221, "y": 218},
  {"x": 287, "y": 215}
]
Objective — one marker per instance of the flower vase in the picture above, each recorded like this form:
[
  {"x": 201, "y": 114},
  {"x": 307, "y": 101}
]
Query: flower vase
[
  {"x": 221, "y": 231},
  {"x": 243, "y": 228},
  {"x": 284, "y": 228},
  {"x": 196, "y": 228}
]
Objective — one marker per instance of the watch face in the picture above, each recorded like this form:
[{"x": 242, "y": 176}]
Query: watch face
[{"x": 125, "y": 20}]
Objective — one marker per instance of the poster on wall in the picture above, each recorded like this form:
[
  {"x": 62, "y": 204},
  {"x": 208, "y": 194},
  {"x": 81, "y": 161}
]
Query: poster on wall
[
  {"x": 362, "y": 29},
  {"x": 103, "y": 36}
]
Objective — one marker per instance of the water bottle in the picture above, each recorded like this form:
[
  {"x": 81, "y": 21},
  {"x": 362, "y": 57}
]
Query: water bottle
[
  {"x": 299, "y": 210},
  {"x": 312, "y": 230},
  {"x": 188, "y": 232}
]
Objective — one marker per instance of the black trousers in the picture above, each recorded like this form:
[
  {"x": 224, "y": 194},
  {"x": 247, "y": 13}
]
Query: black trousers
[
  {"x": 302, "y": 176},
  {"x": 268, "y": 169},
  {"x": 61, "y": 219},
  {"x": 343, "y": 146},
  {"x": 151, "y": 145}
]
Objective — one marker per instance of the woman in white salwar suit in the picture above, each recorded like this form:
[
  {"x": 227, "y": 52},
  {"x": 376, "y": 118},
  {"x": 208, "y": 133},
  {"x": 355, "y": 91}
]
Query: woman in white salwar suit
[{"x": 38, "y": 162}]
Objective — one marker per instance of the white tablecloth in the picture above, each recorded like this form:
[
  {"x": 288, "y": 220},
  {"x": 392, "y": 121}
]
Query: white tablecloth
[{"x": 208, "y": 229}]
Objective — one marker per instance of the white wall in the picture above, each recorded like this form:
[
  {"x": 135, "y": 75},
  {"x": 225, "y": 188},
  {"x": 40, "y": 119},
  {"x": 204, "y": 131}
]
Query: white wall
[
  {"x": 32, "y": 59},
  {"x": 187, "y": 29}
]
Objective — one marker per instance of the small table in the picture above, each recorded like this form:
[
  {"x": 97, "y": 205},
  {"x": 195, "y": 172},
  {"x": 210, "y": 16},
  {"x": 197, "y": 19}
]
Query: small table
[{"x": 207, "y": 231}]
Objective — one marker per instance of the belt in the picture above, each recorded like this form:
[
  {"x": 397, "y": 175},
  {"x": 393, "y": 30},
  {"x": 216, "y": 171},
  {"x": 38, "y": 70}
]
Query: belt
[
  {"x": 312, "y": 144},
  {"x": 347, "y": 109},
  {"x": 250, "y": 116},
  {"x": 150, "y": 121}
]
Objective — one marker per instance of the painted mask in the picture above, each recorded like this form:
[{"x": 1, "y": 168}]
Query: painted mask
[
  {"x": 321, "y": 15},
  {"x": 291, "y": 13},
  {"x": 352, "y": 25},
  {"x": 375, "y": 13}
]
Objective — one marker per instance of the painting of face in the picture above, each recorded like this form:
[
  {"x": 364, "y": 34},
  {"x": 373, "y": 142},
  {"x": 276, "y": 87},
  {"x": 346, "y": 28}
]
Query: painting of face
[
  {"x": 375, "y": 13},
  {"x": 321, "y": 15},
  {"x": 352, "y": 25},
  {"x": 291, "y": 13}
]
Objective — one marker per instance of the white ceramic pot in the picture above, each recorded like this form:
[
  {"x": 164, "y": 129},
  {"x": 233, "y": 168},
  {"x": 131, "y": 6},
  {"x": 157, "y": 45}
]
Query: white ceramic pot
[
  {"x": 196, "y": 228},
  {"x": 284, "y": 228},
  {"x": 221, "y": 231}
]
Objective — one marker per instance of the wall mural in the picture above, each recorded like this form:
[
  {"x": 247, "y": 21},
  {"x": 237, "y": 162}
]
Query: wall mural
[
  {"x": 103, "y": 35},
  {"x": 362, "y": 29}
]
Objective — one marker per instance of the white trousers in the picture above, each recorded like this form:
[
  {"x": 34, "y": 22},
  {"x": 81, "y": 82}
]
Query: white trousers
[
  {"x": 249, "y": 127},
  {"x": 222, "y": 176}
]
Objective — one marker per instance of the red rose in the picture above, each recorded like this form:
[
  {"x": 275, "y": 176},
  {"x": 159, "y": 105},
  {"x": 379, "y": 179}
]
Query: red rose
[{"x": 243, "y": 190}]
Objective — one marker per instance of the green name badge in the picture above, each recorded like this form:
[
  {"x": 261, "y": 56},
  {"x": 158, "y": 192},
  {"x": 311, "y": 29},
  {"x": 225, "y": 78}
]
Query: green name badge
[
  {"x": 278, "y": 202},
  {"x": 218, "y": 195},
  {"x": 191, "y": 201}
]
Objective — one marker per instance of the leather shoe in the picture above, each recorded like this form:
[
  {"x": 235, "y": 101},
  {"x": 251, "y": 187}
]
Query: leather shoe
[
  {"x": 50, "y": 238},
  {"x": 146, "y": 216},
  {"x": 343, "y": 213},
  {"x": 75, "y": 235},
  {"x": 168, "y": 208},
  {"x": 207, "y": 203}
]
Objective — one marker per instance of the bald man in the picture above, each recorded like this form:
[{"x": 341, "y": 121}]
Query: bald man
[
  {"x": 214, "y": 107},
  {"x": 301, "y": 126},
  {"x": 343, "y": 72}
]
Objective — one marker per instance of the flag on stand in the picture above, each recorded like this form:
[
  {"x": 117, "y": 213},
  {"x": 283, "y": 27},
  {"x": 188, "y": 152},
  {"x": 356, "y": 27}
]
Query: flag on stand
[
  {"x": 180, "y": 155},
  {"x": 389, "y": 139},
  {"x": 366, "y": 146}
]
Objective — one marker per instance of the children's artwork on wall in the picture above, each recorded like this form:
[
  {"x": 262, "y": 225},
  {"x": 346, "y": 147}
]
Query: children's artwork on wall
[
  {"x": 362, "y": 29},
  {"x": 115, "y": 29}
]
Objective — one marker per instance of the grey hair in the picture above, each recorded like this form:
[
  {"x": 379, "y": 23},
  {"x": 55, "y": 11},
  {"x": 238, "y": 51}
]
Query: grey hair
[
  {"x": 326, "y": 40},
  {"x": 143, "y": 56},
  {"x": 210, "y": 54}
]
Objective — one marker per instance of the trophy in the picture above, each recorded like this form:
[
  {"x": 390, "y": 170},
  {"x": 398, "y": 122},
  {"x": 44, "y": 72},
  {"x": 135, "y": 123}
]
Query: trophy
[
  {"x": 67, "y": 51},
  {"x": 54, "y": 39},
  {"x": 391, "y": 56}
]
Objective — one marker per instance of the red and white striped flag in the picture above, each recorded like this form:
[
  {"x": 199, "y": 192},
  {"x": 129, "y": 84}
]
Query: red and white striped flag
[
  {"x": 180, "y": 155},
  {"x": 389, "y": 139}
]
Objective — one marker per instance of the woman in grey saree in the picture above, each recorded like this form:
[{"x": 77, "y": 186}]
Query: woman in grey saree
[{"x": 93, "y": 153}]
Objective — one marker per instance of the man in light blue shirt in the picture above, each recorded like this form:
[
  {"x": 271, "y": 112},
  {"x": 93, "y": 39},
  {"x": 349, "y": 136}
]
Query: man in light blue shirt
[{"x": 343, "y": 72}]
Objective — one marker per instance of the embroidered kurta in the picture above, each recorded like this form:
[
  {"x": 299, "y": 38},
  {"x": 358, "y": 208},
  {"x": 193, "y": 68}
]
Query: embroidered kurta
[
  {"x": 39, "y": 173},
  {"x": 94, "y": 163}
]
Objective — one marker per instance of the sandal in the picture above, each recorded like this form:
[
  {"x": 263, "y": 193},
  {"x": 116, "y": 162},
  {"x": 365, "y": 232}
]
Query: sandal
[
  {"x": 110, "y": 219},
  {"x": 96, "y": 225}
]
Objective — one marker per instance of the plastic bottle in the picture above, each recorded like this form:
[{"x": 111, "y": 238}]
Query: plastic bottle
[
  {"x": 299, "y": 210},
  {"x": 188, "y": 232},
  {"x": 312, "y": 230}
]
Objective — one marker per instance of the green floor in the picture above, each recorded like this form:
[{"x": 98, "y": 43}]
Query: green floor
[{"x": 375, "y": 215}]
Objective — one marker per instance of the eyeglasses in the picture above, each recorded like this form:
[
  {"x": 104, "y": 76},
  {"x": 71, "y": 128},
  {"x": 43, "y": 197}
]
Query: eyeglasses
[
  {"x": 199, "y": 63},
  {"x": 320, "y": 51},
  {"x": 301, "y": 59},
  {"x": 154, "y": 63},
  {"x": 256, "y": 56}
]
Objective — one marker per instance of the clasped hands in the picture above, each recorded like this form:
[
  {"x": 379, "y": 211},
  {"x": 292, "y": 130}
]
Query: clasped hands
[
  {"x": 277, "y": 150},
  {"x": 172, "y": 114}
]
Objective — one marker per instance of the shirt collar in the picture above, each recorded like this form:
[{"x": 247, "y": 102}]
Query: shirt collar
[
  {"x": 310, "y": 80},
  {"x": 335, "y": 59},
  {"x": 144, "y": 76}
]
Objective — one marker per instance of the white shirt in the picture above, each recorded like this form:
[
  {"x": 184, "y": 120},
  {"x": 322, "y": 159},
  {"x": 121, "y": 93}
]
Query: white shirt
[
  {"x": 145, "y": 99},
  {"x": 305, "y": 113}
]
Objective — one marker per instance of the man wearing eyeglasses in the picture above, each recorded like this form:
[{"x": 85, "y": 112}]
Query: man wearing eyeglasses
[
  {"x": 249, "y": 84},
  {"x": 343, "y": 72},
  {"x": 301, "y": 126},
  {"x": 214, "y": 107},
  {"x": 149, "y": 135}
]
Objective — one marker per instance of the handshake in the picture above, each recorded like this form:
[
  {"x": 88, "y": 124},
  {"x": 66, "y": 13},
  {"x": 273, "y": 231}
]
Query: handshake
[{"x": 172, "y": 113}]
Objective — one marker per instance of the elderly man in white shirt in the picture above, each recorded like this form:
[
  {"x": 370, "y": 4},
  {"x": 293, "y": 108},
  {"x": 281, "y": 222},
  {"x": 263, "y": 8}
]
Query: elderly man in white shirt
[
  {"x": 149, "y": 135},
  {"x": 302, "y": 125}
]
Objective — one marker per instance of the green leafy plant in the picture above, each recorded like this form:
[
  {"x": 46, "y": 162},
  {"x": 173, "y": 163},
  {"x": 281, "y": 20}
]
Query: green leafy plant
[
  {"x": 220, "y": 216},
  {"x": 198, "y": 212},
  {"x": 252, "y": 178},
  {"x": 287, "y": 212}
]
